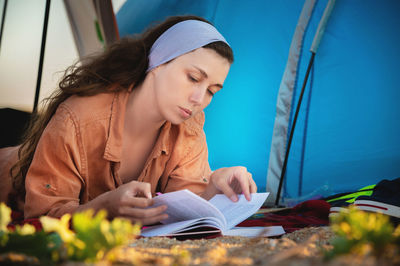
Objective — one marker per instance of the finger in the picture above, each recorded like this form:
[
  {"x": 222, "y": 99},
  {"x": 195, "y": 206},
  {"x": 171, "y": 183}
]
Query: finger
[
  {"x": 228, "y": 191},
  {"x": 141, "y": 187},
  {"x": 141, "y": 213},
  {"x": 149, "y": 220},
  {"x": 253, "y": 185},
  {"x": 243, "y": 180},
  {"x": 136, "y": 202}
]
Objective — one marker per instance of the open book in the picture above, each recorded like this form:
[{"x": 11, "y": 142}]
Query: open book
[{"x": 189, "y": 214}]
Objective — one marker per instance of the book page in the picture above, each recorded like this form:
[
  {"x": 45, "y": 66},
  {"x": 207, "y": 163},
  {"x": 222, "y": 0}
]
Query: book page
[
  {"x": 256, "y": 231},
  {"x": 177, "y": 227},
  {"x": 185, "y": 205},
  {"x": 236, "y": 212},
  {"x": 166, "y": 229}
]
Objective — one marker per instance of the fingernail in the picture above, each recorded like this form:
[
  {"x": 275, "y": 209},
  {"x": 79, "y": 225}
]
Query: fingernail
[
  {"x": 234, "y": 198},
  {"x": 148, "y": 195}
]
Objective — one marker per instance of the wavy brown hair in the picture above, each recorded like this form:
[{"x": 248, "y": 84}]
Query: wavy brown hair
[{"x": 124, "y": 63}]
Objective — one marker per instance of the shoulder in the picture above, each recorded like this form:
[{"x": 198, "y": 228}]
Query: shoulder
[{"x": 88, "y": 108}]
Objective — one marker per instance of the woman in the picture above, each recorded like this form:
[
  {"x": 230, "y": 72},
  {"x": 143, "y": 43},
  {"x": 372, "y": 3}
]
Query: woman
[{"x": 129, "y": 123}]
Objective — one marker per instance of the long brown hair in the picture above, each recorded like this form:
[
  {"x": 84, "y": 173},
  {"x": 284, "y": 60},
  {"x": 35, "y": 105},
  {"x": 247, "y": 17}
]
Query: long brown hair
[{"x": 124, "y": 63}]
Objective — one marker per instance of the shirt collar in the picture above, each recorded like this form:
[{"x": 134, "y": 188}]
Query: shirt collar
[
  {"x": 163, "y": 140},
  {"x": 113, "y": 150}
]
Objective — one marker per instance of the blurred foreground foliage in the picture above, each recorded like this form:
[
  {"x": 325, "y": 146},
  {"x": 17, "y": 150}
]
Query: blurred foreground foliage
[
  {"x": 364, "y": 233},
  {"x": 93, "y": 237}
]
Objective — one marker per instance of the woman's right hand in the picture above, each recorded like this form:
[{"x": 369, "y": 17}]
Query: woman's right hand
[{"x": 131, "y": 201}]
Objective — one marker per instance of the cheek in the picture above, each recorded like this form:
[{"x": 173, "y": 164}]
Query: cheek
[
  {"x": 174, "y": 83},
  {"x": 164, "y": 86}
]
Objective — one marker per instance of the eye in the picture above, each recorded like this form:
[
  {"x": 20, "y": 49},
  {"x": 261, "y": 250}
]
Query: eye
[
  {"x": 211, "y": 92},
  {"x": 192, "y": 79}
]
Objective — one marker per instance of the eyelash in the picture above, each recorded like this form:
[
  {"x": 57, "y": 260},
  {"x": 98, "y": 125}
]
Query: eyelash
[{"x": 192, "y": 79}]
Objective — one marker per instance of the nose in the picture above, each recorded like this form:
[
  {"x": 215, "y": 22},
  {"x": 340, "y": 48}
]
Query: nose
[{"x": 198, "y": 94}]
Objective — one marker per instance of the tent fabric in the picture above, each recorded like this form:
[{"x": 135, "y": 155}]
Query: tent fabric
[
  {"x": 351, "y": 130},
  {"x": 349, "y": 136},
  {"x": 284, "y": 103}
]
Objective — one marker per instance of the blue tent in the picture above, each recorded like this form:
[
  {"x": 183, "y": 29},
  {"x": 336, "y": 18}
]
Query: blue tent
[{"x": 347, "y": 134}]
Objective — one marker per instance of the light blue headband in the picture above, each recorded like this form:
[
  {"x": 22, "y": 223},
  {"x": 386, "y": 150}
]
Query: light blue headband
[{"x": 180, "y": 39}]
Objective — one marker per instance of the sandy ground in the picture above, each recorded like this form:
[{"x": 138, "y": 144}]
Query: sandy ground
[{"x": 302, "y": 247}]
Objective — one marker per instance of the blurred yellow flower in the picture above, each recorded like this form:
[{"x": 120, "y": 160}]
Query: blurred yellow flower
[
  {"x": 61, "y": 226},
  {"x": 5, "y": 217},
  {"x": 26, "y": 229}
]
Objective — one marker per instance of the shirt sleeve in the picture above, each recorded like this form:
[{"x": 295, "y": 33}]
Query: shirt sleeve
[
  {"x": 54, "y": 181},
  {"x": 193, "y": 170},
  {"x": 8, "y": 157}
]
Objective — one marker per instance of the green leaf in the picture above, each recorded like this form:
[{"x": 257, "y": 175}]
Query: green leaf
[
  {"x": 40, "y": 245},
  {"x": 93, "y": 236},
  {"x": 357, "y": 231}
]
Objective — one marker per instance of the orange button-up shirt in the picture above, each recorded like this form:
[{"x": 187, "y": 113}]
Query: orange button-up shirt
[{"x": 79, "y": 154}]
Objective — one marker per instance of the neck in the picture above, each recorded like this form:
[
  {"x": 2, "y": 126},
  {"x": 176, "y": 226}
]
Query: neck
[{"x": 142, "y": 118}]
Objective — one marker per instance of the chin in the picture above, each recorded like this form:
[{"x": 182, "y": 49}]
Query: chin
[{"x": 176, "y": 120}]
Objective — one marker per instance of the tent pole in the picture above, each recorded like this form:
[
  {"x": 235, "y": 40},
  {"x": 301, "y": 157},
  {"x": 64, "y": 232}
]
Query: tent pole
[
  {"x": 42, "y": 48},
  {"x": 314, "y": 47},
  {"x": 310, "y": 63},
  {"x": 3, "y": 18},
  {"x": 285, "y": 104}
]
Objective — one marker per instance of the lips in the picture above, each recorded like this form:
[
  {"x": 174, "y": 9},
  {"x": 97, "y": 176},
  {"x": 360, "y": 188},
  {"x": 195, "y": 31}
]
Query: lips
[{"x": 186, "y": 113}]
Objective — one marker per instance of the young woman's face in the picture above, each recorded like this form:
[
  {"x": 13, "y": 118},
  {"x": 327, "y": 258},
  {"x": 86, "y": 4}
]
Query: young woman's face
[{"x": 186, "y": 85}]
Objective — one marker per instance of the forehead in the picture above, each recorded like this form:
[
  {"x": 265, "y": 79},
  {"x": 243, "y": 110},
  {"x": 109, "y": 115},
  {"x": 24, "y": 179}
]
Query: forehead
[
  {"x": 207, "y": 60},
  {"x": 202, "y": 55}
]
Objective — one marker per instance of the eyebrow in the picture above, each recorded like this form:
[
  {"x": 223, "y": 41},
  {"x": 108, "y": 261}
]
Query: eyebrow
[{"x": 204, "y": 74}]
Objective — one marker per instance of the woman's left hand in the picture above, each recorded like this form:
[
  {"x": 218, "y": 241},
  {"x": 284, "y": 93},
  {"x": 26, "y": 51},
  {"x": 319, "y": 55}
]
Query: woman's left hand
[{"x": 231, "y": 181}]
